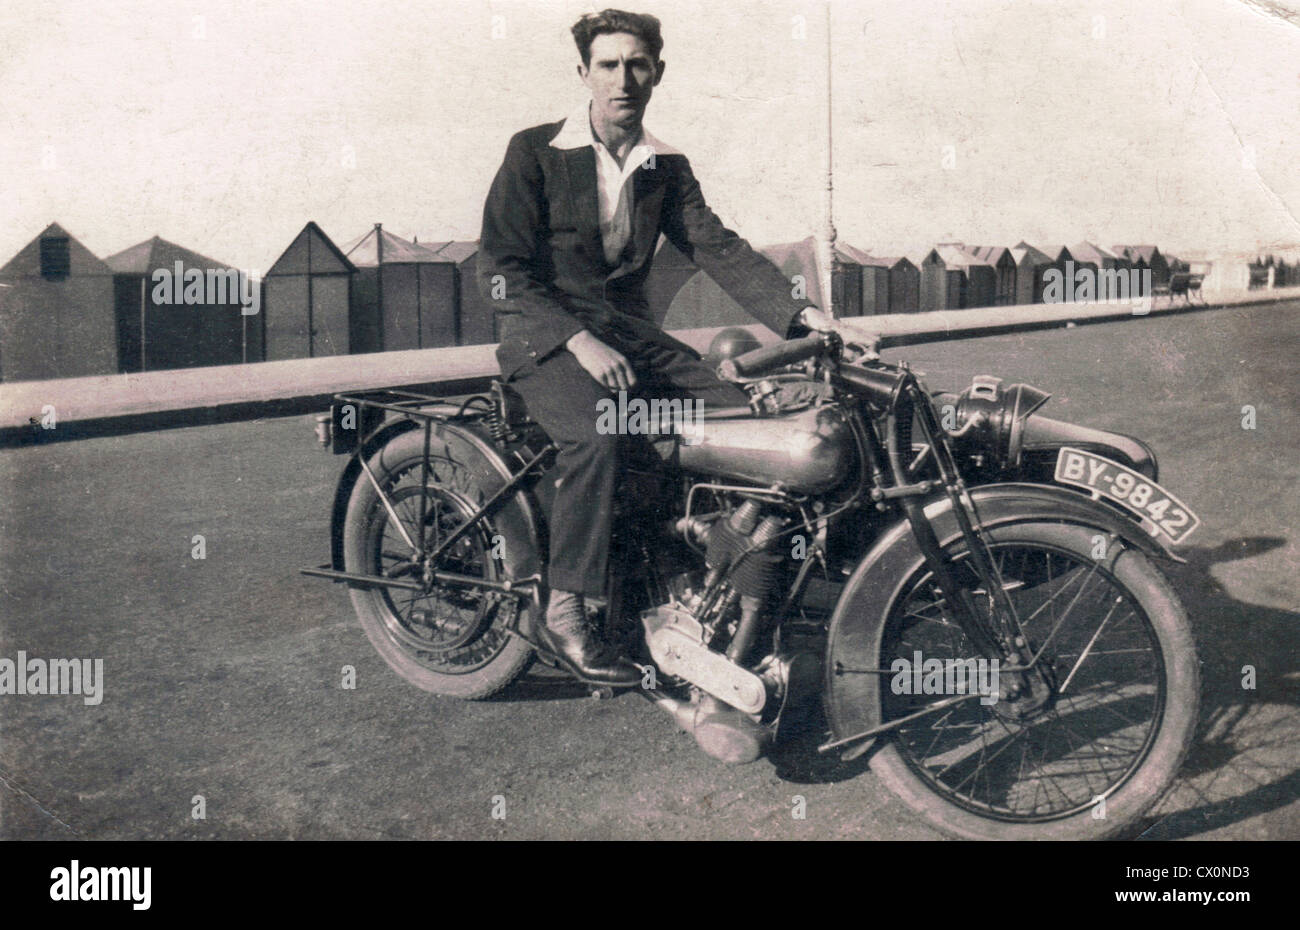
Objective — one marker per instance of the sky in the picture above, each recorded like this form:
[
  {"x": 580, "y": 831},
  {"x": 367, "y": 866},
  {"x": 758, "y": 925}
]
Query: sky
[{"x": 225, "y": 126}]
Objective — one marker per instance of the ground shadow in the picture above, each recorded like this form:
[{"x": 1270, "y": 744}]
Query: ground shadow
[
  {"x": 1243, "y": 763},
  {"x": 542, "y": 683}
]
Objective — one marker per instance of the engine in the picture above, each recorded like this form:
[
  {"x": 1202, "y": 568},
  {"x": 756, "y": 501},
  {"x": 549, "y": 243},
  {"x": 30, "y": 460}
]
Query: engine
[
  {"x": 741, "y": 542},
  {"x": 708, "y": 634}
]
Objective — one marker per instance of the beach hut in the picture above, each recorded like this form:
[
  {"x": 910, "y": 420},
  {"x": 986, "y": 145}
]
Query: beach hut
[
  {"x": 1067, "y": 268},
  {"x": 700, "y": 302},
  {"x": 1030, "y": 265},
  {"x": 307, "y": 300},
  {"x": 890, "y": 284},
  {"x": 404, "y": 295},
  {"x": 798, "y": 262},
  {"x": 669, "y": 273},
  {"x": 56, "y": 311},
  {"x": 875, "y": 285},
  {"x": 953, "y": 279},
  {"x": 1146, "y": 256},
  {"x": 169, "y": 317},
  {"x": 1112, "y": 278},
  {"x": 942, "y": 285},
  {"x": 904, "y": 286},
  {"x": 1004, "y": 270},
  {"x": 476, "y": 324}
]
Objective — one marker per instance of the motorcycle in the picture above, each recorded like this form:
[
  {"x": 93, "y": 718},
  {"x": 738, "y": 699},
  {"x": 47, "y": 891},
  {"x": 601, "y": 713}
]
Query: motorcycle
[{"x": 954, "y": 583}]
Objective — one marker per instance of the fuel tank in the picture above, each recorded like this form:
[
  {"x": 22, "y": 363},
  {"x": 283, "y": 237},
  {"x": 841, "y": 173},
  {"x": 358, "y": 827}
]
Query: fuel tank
[{"x": 809, "y": 451}]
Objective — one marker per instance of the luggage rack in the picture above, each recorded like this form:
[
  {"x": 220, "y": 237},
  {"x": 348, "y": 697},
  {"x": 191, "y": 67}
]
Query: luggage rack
[
  {"x": 371, "y": 406},
  {"x": 408, "y": 402}
]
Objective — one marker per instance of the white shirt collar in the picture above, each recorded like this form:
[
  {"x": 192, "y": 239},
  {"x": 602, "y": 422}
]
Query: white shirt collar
[{"x": 577, "y": 132}]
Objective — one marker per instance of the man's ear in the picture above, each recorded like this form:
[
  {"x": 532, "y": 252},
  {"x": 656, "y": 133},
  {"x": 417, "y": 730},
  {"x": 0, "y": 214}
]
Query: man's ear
[
  {"x": 583, "y": 71},
  {"x": 659, "y": 72}
]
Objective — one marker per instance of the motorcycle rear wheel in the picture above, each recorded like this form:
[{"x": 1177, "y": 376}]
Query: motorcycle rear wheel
[
  {"x": 452, "y": 640},
  {"x": 1092, "y": 762}
]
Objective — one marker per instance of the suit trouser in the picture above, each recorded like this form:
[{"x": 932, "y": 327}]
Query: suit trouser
[{"x": 562, "y": 397}]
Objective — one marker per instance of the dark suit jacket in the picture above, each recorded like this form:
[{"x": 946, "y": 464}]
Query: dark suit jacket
[{"x": 541, "y": 235}]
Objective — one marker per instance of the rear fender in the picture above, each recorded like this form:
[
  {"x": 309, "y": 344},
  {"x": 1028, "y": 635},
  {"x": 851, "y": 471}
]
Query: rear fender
[
  {"x": 351, "y": 472},
  {"x": 858, "y": 621},
  {"x": 516, "y": 518}
]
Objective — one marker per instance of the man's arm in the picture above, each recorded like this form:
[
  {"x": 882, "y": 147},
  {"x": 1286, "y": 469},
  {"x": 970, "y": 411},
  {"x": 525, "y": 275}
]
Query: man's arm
[
  {"x": 750, "y": 279},
  {"x": 512, "y": 228}
]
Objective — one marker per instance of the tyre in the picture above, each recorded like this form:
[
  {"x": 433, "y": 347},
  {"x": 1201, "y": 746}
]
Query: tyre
[
  {"x": 451, "y": 640},
  {"x": 1083, "y": 757}
]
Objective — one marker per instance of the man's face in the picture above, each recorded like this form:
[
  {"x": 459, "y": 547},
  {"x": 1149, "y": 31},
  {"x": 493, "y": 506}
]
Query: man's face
[{"x": 622, "y": 76}]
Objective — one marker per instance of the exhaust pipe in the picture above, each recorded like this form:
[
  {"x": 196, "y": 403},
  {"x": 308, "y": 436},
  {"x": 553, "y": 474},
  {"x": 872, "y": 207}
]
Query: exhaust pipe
[{"x": 721, "y": 731}]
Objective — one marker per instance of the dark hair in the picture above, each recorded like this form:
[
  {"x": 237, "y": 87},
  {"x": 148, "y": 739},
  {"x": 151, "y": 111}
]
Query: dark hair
[{"x": 642, "y": 25}]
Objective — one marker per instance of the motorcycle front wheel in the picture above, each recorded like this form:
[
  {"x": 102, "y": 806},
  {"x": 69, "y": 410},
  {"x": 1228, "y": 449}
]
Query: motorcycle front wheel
[{"x": 1083, "y": 757}]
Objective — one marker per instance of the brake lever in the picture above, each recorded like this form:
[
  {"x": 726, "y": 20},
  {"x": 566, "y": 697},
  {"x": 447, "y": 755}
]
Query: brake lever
[
  {"x": 866, "y": 352},
  {"x": 853, "y": 338}
]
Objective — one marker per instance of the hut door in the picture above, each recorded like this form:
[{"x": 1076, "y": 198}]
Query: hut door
[
  {"x": 286, "y": 317},
  {"x": 329, "y": 315}
]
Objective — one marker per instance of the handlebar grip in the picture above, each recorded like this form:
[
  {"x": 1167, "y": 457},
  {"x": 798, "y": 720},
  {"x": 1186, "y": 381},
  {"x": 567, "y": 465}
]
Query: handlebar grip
[{"x": 774, "y": 356}]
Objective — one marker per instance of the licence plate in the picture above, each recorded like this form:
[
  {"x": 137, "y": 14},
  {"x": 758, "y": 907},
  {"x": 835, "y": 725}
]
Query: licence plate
[{"x": 1137, "y": 494}]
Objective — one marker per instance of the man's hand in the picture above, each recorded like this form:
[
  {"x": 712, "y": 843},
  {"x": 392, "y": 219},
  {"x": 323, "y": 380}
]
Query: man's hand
[
  {"x": 606, "y": 365},
  {"x": 818, "y": 320}
]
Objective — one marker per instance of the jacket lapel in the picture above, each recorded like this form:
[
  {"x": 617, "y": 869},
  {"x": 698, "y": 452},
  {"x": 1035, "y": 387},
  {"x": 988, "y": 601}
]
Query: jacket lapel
[
  {"x": 648, "y": 187},
  {"x": 648, "y": 196},
  {"x": 580, "y": 164}
]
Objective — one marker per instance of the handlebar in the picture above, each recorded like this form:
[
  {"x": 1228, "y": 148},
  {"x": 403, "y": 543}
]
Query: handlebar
[
  {"x": 758, "y": 361},
  {"x": 880, "y": 383}
]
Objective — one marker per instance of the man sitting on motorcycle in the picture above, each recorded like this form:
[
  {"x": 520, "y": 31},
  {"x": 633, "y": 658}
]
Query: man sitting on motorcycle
[{"x": 569, "y": 232}]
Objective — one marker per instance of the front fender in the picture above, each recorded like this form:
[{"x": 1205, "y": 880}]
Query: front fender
[{"x": 858, "y": 621}]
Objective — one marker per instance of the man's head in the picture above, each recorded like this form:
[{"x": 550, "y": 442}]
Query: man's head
[{"x": 620, "y": 62}]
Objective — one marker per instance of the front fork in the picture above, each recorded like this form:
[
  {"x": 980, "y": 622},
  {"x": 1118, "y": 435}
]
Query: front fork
[{"x": 1000, "y": 635}]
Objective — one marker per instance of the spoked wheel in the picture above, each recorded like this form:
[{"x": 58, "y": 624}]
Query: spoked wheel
[
  {"x": 451, "y": 638},
  {"x": 1080, "y": 752}
]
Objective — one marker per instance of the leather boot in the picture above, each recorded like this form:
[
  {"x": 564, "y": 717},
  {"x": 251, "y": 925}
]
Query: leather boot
[{"x": 570, "y": 635}]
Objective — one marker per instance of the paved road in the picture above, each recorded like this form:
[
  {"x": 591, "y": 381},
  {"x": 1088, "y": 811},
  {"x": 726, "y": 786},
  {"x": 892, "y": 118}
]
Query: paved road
[{"x": 223, "y": 675}]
